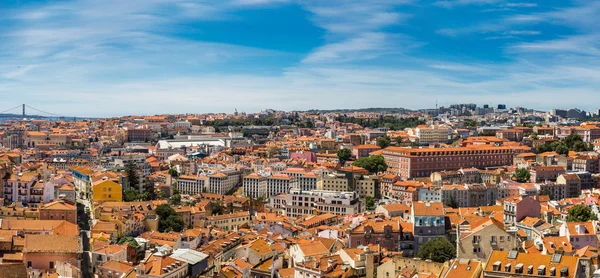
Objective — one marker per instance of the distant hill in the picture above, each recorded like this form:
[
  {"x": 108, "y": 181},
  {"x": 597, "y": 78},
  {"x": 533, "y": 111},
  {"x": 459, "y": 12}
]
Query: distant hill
[{"x": 371, "y": 110}]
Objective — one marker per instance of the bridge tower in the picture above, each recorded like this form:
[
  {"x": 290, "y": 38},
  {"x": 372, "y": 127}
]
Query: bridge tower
[{"x": 23, "y": 110}]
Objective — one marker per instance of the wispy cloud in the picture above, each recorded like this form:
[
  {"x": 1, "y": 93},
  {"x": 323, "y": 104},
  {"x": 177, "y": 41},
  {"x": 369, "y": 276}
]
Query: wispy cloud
[
  {"x": 354, "y": 30},
  {"x": 455, "y": 3},
  {"x": 583, "y": 44},
  {"x": 521, "y": 5}
]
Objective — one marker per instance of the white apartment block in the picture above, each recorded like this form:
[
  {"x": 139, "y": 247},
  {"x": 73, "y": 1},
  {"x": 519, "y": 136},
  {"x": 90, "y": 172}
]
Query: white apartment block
[
  {"x": 300, "y": 203},
  {"x": 192, "y": 184},
  {"x": 279, "y": 183},
  {"x": 223, "y": 182},
  {"x": 310, "y": 181},
  {"x": 255, "y": 186},
  {"x": 432, "y": 134}
]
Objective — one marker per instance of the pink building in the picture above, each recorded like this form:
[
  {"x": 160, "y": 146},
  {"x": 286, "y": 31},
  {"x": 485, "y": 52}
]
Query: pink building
[
  {"x": 580, "y": 234},
  {"x": 309, "y": 156},
  {"x": 42, "y": 252},
  {"x": 361, "y": 151},
  {"x": 517, "y": 208}
]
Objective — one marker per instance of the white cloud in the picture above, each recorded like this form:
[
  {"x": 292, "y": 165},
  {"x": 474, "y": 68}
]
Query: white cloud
[
  {"x": 583, "y": 44},
  {"x": 354, "y": 30},
  {"x": 454, "y": 3},
  {"x": 524, "y": 32},
  {"x": 521, "y": 5}
]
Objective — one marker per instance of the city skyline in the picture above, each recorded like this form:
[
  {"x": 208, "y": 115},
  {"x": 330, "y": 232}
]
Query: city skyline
[{"x": 109, "y": 58}]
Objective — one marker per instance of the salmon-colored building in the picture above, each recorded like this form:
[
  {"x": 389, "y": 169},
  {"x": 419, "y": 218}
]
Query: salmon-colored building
[
  {"x": 59, "y": 210},
  {"x": 43, "y": 251},
  {"x": 421, "y": 162}
]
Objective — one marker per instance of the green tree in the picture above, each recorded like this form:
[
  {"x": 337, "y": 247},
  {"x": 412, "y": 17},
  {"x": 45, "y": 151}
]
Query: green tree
[
  {"x": 174, "y": 223},
  {"x": 169, "y": 220},
  {"x": 580, "y": 146},
  {"x": 438, "y": 250},
  {"x": 572, "y": 139},
  {"x": 131, "y": 169},
  {"x": 521, "y": 175},
  {"x": 562, "y": 149},
  {"x": 472, "y": 123},
  {"x": 173, "y": 172},
  {"x": 369, "y": 202},
  {"x": 373, "y": 164},
  {"x": 175, "y": 199},
  {"x": 383, "y": 142},
  {"x": 130, "y": 240},
  {"x": 580, "y": 213},
  {"x": 543, "y": 148},
  {"x": 344, "y": 155},
  {"x": 131, "y": 195}
]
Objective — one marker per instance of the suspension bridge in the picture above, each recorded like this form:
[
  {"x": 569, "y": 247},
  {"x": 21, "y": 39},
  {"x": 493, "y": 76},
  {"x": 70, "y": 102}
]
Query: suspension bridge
[{"x": 23, "y": 111}]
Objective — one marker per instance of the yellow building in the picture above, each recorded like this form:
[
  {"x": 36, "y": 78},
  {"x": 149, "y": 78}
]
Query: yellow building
[{"x": 107, "y": 191}]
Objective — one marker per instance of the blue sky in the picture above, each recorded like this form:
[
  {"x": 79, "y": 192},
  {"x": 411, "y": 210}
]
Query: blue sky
[{"x": 114, "y": 57}]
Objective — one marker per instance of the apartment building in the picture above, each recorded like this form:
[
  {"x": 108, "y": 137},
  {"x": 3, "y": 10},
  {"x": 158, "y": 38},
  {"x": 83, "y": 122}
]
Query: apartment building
[
  {"x": 310, "y": 181},
  {"x": 82, "y": 179},
  {"x": 229, "y": 222},
  {"x": 517, "y": 208},
  {"x": 546, "y": 173},
  {"x": 580, "y": 234},
  {"x": 428, "y": 222},
  {"x": 421, "y": 162},
  {"x": 586, "y": 163},
  {"x": 367, "y": 186},
  {"x": 386, "y": 233},
  {"x": 514, "y": 264},
  {"x": 24, "y": 187},
  {"x": 361, "y": 151},
  {"x": 555, "y": 190},
  {"x": 107, "y": 191},
  {"x": 189, "y": 184},
  {"x": 43, "y": 251},
  {"x": 510, "y": 134},
  {"x": 571, "y": 183},
  {"x": 223, "y": 181},
  {"x": 279, "y": 183},
  {"x": 299, "y": 203},
  {"x": 432, "y": 134},
  {"x": 336, "y": 182},
  {"x": 139, "y": 135},
  {"x": 255, "y": 186},
  {"x": 482, "y": 238},
  {"x": 59, "y": 210}
]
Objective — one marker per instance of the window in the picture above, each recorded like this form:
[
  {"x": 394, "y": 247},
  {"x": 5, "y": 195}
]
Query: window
[{"x": 51, "y": 265}]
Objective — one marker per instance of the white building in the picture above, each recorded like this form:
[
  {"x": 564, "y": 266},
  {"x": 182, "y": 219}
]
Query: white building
[
  {"x": 299, "y": 203},
  {"x": 432, "y": 134},
  {"x": 255, "y": 186},
  {"x": 279, "y": 183},
  {"x": 223, "y": 181},
  {"x": 192, "y": 184}
]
